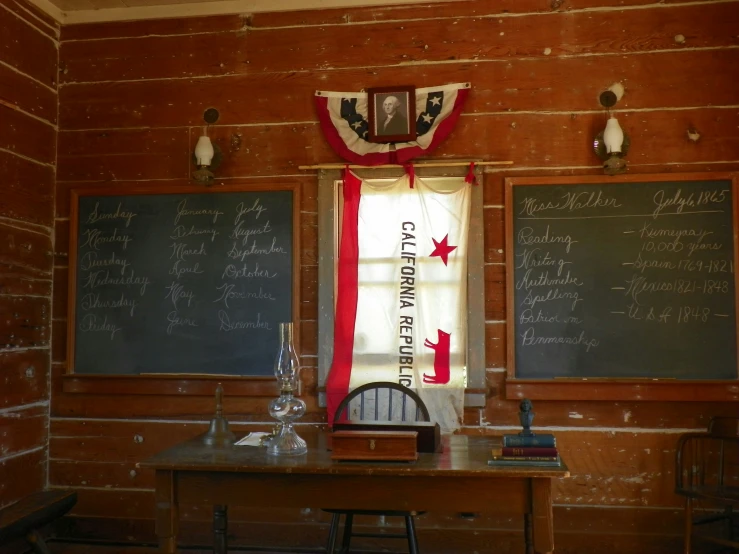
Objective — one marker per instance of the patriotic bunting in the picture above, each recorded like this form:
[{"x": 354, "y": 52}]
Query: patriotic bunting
[{"x": 343, "y": 117}]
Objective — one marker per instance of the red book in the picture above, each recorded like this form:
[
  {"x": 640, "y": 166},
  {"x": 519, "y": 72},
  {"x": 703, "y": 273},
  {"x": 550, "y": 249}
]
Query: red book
[{"x": 525, "y": 451}]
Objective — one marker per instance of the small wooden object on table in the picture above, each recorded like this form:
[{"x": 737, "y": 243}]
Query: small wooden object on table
[
  {"x": 429, "y": 434},
  {"x": 397, "y": 446}
]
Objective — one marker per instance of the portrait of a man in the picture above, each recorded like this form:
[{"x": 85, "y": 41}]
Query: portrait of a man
[
  {"x": 394, "y": 109},
  {"x": 392, "y": 121}
]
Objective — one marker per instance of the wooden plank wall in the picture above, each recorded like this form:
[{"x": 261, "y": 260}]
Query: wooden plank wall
[
  {"x": 29, "y": 52},
  {"x": 132, "y": 97}
]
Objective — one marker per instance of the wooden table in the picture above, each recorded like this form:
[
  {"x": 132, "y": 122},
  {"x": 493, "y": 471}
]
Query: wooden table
[{"x": 458, "y": 479}]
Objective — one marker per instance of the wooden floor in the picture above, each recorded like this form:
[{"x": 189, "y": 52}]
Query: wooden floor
[{"x": 77, "y": 548}]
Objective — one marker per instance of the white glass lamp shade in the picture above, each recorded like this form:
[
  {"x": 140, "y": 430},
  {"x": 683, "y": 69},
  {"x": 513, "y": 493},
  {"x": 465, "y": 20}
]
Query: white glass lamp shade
[
  {"x": 613, "y": 136},
  {"x": 204, "y": 151}
]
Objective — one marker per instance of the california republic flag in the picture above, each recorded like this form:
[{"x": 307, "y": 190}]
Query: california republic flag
[
  {"x": 401, "y": 310},
  {"x": 343, "y": 117}
]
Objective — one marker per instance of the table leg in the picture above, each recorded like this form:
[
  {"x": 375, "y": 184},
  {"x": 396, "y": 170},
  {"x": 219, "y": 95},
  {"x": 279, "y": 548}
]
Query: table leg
[
  {"x": 542, "y": 519},
  {"x": 167, "y": 511},
  {"x": 528, "y": 534},
  {"x": 220, "y": 525}
]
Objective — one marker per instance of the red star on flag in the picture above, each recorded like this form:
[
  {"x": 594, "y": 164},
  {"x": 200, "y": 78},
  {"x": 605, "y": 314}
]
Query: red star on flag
[{"x": 442, "y": 249}]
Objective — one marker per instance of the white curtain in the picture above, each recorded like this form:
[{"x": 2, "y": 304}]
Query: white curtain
[{"x": 411, "y": 290}]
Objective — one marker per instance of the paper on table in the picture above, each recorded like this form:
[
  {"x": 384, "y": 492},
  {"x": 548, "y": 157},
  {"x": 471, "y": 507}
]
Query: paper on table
[{"x": 252, "y": 439}]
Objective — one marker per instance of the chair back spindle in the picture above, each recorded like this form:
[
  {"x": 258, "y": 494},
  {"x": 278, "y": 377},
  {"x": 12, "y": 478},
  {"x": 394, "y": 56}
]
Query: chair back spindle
[{"x": 382, "y": 401}]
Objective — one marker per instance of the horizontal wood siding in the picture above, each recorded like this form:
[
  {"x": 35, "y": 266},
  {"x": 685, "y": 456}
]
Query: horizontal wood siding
[
  {"x": 132, "y": 95},
  {"x": 28, "y": 116}
]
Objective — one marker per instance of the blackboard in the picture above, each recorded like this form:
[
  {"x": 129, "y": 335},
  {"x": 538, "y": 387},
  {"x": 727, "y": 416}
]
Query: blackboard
[
  {"x": 630, "y": 278},
  {"x": 181, "y": 280}
]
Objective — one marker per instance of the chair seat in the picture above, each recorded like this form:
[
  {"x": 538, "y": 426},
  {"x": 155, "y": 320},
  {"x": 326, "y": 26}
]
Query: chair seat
[{"x": 711, "y": 492}]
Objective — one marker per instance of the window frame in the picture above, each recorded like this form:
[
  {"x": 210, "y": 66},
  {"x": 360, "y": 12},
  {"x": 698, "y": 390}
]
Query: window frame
[{"x": 328, "y": 228}]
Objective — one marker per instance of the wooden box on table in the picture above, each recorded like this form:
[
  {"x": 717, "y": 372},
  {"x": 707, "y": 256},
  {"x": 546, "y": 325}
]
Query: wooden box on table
[
  {"x": 429, "y": 434},
  {"x": 397, "y": 446}
]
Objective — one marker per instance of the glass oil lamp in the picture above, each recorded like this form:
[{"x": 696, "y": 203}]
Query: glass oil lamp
[{"x": 287, "y": 408}]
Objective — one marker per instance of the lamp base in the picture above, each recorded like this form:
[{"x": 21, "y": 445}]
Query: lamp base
[
  {"x": 614, "y": 165},
  {"x": 286, "y": 443},
  {"x": 203, "y": 175}
]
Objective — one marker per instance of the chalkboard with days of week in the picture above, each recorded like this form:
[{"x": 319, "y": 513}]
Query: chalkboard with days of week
[
  {"x": 181, "y": 280},
  {"x": 619, "y": 278}
]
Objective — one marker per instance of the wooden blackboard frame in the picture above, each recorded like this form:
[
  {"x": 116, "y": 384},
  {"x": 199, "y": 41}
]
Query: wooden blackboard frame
[
  {"x": 644, "y": 389},
  {"x": 170, "y": 384}
]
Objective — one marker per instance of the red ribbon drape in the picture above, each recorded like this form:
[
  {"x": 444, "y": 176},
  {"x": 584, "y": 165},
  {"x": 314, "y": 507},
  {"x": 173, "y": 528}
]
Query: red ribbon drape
[
  {"x": 337, "y": 383},
  {"x": 411, "y": 171},
  {"x": 470, "y": 177}
]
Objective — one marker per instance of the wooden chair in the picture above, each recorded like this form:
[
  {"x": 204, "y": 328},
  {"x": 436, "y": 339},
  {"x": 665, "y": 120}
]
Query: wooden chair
[
  {"x": 380, "y": 401},
  {"x": 707, "y": 470}
]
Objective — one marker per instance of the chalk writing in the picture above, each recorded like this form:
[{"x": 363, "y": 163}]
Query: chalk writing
[
  {"x": 97, "y": 215},
  {"x": 235, "y": 253},
  {"x": 569, "y": 202},
  {"x": 177, "y": 292},
  {"x": 239, "y": 232},
  {"x": 92, "y": 323},
  {"x": 233, "y": 272},
  {"x": 92, "y": 301},
  {"x": 227, "y": 293},
  {"x": 182, "y": 211},
  {"x": 181, "y": 232},
  {"x": 176, "y": 321},
  {"x": 604, "y": 277},
  {"x": 91, "y": 260},
  {"x": 95, "y": 238},
  {"x": 182, "y": 282},
  {"x": 244, "y": 208},
  {"x": 101, "y": 278},
  {"x": 528, "y": 237},
  {"x": 226, "y": 324},
  {"x": 680, "y": 200}
]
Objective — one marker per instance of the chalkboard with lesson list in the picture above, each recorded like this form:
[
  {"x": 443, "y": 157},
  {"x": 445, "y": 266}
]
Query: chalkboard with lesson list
[
  {"x": 622, "y": 278},
  {"x": 184, "y": 280}
]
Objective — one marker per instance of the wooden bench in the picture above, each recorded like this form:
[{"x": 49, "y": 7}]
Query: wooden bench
[{"x": 31, "y": 513}]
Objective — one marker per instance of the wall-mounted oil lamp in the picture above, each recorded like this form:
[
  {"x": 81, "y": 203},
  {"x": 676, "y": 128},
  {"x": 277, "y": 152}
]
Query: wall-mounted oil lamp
[
  {"x": 207, "y": 156},
  {"x": 612, "y": 144}
]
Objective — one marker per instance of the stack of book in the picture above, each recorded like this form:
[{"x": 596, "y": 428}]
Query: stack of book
[{"x": 536, "y": 450}]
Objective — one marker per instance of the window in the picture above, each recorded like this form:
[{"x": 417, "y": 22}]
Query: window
[{"x": 473, "y": 349}]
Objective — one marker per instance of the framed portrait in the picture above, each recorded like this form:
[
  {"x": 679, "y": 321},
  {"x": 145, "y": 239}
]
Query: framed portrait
[{"x": 392, "y": 113}]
